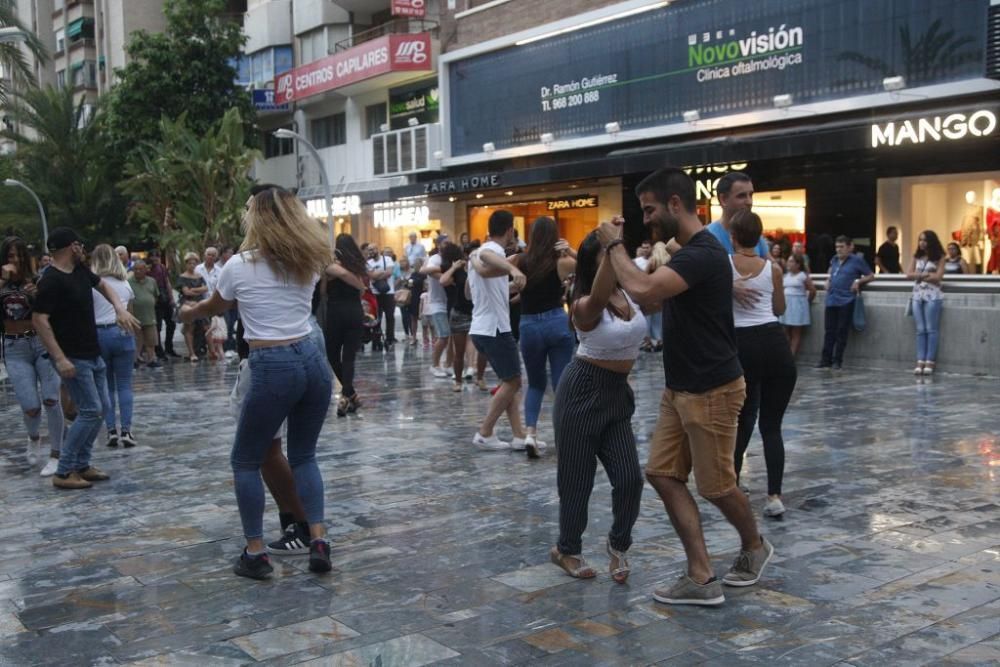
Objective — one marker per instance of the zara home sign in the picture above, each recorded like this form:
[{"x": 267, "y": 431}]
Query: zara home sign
[{"x": 981, "y": 123}]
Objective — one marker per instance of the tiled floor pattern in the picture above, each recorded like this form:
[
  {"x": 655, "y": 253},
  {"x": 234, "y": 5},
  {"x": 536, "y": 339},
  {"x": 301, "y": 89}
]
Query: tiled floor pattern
[{"x": 889, "y": 552}]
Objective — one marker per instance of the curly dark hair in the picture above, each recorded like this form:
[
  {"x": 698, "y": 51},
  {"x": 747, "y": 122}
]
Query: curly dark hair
[{"x": 935, "y": 251}]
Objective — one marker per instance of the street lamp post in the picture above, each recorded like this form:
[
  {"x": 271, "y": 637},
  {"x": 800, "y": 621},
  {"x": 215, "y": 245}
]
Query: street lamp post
[
  {"x": 285, "y": 133},
  {"x": 12, "y": 183}
]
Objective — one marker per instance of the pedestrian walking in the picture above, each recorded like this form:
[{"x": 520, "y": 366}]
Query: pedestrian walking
[
  {"x": 848, "y": 274},
  {"x": 799, "y": 294},
  {"x": 436, "y": 312},
  {"x": 165, "y": 306},
  {"x": 593, "y": 414},
  {"x": 454, "y": 279},
  {"x": 380, "y": 271},
  {"x": 64, "y": 319},
  {"x": 118, "y": 345},
  {"x": 765, "y": 355},
  {"x": 146, "y": 294},
  {"x": 696, "y": 429},
  {"x": 273, "y": 280},
  {"x": 35, "y": 381}
]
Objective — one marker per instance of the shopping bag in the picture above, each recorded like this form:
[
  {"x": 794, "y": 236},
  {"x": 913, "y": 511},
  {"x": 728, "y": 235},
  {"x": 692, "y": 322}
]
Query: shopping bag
[{"x": 859, "y": 314}]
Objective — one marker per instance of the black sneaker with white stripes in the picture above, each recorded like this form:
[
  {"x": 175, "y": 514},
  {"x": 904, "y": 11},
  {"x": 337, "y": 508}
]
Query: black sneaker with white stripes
[{"x": 294, "y": 542}]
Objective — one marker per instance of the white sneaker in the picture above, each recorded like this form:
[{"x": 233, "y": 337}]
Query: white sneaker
[
  {"x": 50, "y": 467},
  {"x": 31, "y": 453},
  {"x": 469, "y": 373},
  {"x": 774, "y": 507},
  {"x": 519, "y": 444},
  {"x": 492, "y": 443},
  {"x": 534, "y": 447},
  {"x": 439, "y": 372}
]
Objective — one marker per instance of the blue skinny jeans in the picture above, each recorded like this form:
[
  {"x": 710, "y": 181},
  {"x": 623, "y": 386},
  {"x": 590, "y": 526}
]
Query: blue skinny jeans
[
  {"x": 546, "y": 344},
  {"x": 118, "y": 352}
]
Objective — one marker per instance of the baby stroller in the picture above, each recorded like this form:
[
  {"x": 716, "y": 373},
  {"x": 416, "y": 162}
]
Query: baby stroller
[{"x": 371, "y": 329}]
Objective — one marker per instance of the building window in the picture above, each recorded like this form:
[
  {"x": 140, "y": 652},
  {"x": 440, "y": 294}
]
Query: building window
[
  {"x": 375, "y": 117},
  {"x": 61, "y": 79},
  {"x": 275, "y": 147},
  {"x": 60, "y": 40},
  {"x": 312, "y": 46},
  {"x": 84, "y": 74},
  {"x": 329, "y": 131}
]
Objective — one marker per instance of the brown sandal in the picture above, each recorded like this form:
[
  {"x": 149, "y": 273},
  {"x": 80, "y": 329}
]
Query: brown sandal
[
  {"x": 564, "y": 561},
  {"x": 620, "y": 573}
]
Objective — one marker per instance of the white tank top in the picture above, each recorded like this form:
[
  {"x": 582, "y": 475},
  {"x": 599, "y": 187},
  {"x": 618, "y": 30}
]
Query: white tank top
[
  {"x": 761, "y": 312},
  {"x": 614, "y": 339}
]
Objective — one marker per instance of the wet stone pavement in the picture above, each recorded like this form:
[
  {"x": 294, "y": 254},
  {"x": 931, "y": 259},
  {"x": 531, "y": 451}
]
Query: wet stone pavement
[{"x": 889, "y": 552}]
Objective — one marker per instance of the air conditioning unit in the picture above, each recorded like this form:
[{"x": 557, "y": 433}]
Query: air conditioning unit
[{"x": 406, "y": 151}]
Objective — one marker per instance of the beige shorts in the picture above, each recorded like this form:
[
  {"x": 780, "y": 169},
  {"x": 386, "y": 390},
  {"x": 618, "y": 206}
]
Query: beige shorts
[{"x": 698, "y": 432}]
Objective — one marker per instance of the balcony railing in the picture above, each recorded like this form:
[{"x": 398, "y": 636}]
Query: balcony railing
[{"x": 397, "y": 26}]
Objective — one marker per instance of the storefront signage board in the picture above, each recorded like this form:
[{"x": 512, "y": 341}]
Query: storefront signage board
[
  {"x": 412, "y": 8},
  {"x": 716, "y": 57},
  {"x": 263, "y": 101},
  {"x": 420, "y": 102},
  {"x": 565, "y": 203},
  {"x": 930, "y": 129},
  {"x": 390, "y": 53},
  {"x": 464, "y": 184}
]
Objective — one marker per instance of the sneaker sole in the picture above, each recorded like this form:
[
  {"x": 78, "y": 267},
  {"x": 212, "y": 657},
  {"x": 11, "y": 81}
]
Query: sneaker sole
[
  {"x": 533, "y": 452},
  {"x": 319, "y": 566},
  {"x": 700, "y": 602},
  {"x": 741, "y": 584}
]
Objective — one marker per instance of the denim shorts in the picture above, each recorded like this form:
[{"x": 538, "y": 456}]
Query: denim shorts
[
  {"x": 440, "y": 324},
  {"x": 502, "y": 352}
]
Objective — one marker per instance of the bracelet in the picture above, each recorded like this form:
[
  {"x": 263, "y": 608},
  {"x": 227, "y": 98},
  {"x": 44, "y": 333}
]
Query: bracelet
[{"x": 611, "y": 245}]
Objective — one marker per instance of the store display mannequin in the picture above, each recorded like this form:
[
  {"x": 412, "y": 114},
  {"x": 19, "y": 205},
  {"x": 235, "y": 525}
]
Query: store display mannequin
[
  {"x": 971, "y": 235},
  {"x": 993, "y": 231}
]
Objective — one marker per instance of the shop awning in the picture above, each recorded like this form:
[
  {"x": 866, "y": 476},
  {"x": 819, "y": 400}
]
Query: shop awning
[
  {"x": 78, "y": 65},
  {"x": 75, "y": 28}
]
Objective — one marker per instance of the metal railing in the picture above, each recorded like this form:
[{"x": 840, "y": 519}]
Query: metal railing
[
  {"x": 955, "y": 284},
  {"x": 397, "y": 26}
]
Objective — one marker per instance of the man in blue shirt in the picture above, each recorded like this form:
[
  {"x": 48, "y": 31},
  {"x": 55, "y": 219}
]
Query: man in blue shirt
[
  {"x": 735, "y": 193},
  {"x": 848, "y": 272}
]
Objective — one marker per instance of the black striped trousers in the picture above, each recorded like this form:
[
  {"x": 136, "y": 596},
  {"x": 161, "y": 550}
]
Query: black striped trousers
[{"x": 592, "y": 417}]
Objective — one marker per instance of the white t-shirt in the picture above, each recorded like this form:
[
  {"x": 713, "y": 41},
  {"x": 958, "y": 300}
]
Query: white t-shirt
[
  {"x": 490, "y": 299},
  {"x": 211, "y": 277},
  {"x": 382, "y": 263},
  {"x": 642, "y": 263},
  {"x": 271, "y": 307},
  {"x": 437, "y": 302},
  {"x": 104, "y": 312}
]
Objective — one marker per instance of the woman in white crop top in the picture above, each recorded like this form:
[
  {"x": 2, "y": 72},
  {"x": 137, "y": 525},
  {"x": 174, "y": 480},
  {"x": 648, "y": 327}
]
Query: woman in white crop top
[
  {"x": 768, "y": 366},
  {"x": 593, "y": 412},
  {"x": 272, "y": 280}
]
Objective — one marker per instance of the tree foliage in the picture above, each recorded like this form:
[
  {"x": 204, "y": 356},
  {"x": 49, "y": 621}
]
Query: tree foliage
[
  {"x": 185, "y": 69},
  {"x": 190, "y": 186},
  {"x": 61, "y": 156},
  {"x": 11, "y": 57}
]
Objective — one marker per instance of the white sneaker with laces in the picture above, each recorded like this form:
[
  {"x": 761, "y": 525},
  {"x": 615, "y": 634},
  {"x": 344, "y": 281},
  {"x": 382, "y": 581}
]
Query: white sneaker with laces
[
  {"x": 31, "y": 453},
  {"x": 50, "y": 467},
  {"x": 492, "y": 443},
  {"x": 439, "y": 372}
]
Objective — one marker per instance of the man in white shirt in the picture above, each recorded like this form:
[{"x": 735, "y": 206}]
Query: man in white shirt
[
  {"x": 437, "y": 312},
  {"x": 414, "y": 250},
  {"x": 642, "y": 254},
  {"x": 209, "y": 269},
  {"x": 380, "y": 270},
  {"x": 491, "y": 330}
]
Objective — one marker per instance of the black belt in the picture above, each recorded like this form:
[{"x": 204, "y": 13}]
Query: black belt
[{"x": 26, "y": 334}]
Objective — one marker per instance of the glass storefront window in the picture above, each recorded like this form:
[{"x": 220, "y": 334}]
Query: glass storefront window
[{"x": 574, "y": 224}]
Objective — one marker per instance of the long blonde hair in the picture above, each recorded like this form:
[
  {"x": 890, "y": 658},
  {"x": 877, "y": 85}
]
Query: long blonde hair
[
  {"x": 105, "y": 263},
  {"x": 292, "y": 243}
]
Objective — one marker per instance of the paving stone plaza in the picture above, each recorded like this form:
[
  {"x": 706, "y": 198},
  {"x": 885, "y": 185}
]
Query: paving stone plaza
[{"x": 889, "y": 553}]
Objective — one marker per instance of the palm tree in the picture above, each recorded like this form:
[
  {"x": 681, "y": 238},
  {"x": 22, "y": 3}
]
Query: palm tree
[
  {"x": 12, "y": 59},
  {"x": 935, "y": 53}
]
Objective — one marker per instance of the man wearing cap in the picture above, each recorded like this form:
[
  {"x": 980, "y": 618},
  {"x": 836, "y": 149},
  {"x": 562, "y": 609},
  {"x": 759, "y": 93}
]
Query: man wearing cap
[{"x": 64, "y": 319}]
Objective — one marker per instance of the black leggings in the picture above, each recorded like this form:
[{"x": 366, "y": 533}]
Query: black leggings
[
  {"x": 343, "y": 340},
  {"x": 387, "y": 310},
  {"x": 593, "y": 422},
  {"x": 770, "y": 374}
]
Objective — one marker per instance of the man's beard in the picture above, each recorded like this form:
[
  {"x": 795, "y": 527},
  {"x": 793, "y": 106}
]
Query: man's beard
[{"x": 663, "y": 229}]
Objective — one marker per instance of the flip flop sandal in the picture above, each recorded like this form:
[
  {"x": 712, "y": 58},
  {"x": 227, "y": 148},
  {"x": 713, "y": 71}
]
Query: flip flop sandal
[
  {"x": 581, "y": 571},
  {"x": 620, "y": 573}
]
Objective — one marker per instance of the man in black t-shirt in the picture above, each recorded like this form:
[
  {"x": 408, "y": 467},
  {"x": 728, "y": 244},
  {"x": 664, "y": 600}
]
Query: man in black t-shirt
[
  {"x": 696, "y": 429},
  {"x": 887, "y": 257},
  {"x": 64, "y": 319}
]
